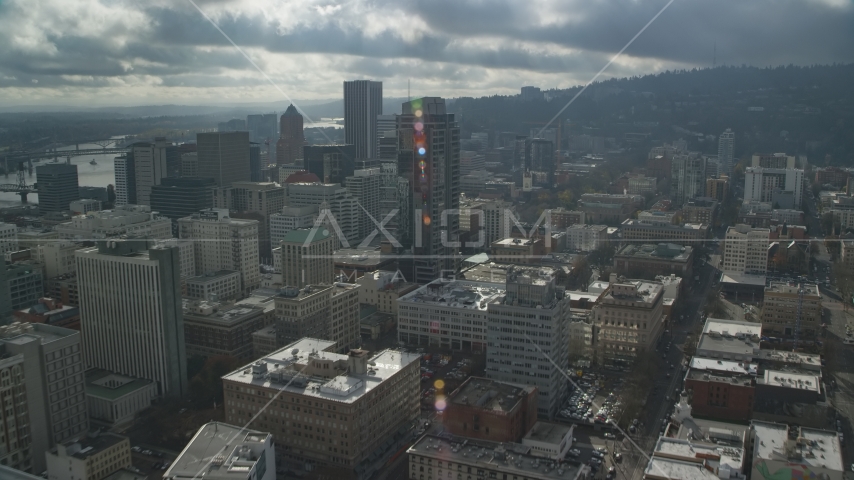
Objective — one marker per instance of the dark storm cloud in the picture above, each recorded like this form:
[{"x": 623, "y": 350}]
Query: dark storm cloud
[{"x": 463, "y": 39}]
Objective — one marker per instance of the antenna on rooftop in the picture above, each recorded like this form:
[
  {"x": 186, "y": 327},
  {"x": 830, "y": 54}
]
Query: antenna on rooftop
[{"x": 715, "y": 55}]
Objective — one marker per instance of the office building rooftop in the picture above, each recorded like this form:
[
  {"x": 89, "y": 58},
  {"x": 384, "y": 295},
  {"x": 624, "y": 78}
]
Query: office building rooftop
[
  {"x": 490, "y": 395},
  {"x": 110, "y": 386},
  {"x": 306, "y": 368},
  {"x": 793, "y": 445},
  {"x": 220, "y": 451},
  {"x": 514, "y": 459},
  {"x": 794, "y": 380},
  {"x": 456, "y": 294}
]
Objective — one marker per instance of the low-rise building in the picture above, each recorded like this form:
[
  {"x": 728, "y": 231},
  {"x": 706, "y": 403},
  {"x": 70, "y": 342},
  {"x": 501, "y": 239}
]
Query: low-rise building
[
  {"x": 687, "y": 234},
  {"x": 381, "y": 289},
  {"x": 721, "y": 389},
  {"x": 115, "y": 399},
  {"x": 264, "y": 341},
  {"x": 136, "y": 220},
  {"x": 490, "y": 410},
  {"x": 50, "y": 312},
  {"x": 700, "y": 210},
  {"x": 518, "y": 250},
  {"x": 729, "y": 340},
  {"x": 563, "y": 218},
  {"x": 435, "y": 458},
  {"x": 330, "y": 312},
  {"x": 353, "y": 263},
  {"x": 790, "y": 310},
  {"x": 25, "y": 281},
  {"x": 549, "y": 440},
  {"x": 609, "y": 208},
  {"x": 91, "y": 458},
  {"x": 629, "y": 318},
  {"x": 791, "y": 395},
  {"x": 586, "y": 238},
  {"x": 363, "y": 399},
  {"x": 219, "y": 285},
  {"x": 219, "y": 451},
  {"x": 781, "y": 450},
  {"x": 648, "y": 260},
  {"x": 213, "y": 329},
  {"x": 85, "y": 205}
]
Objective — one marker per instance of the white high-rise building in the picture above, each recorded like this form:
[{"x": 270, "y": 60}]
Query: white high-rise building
[
  {"x": 131, "y": 315},
  {"x": 125, "y": 179},
  {"x": 224, "y": 243},
  {"x": 339, "y": 203},
  {"x": 149, "y": 167},
  {"x": 746, "y": 250},
  {"x": 364, "y": 186},
  {"x": 726, "y": 152},
  {"x": 363, "y": 101},
  {"x": 8, "y": 238},
  {"x": 533, "y": 350},
  {"x": 53, "y": 372},
  {"x": 291, "y": 218},
  {"x": 781, "y": 186}
]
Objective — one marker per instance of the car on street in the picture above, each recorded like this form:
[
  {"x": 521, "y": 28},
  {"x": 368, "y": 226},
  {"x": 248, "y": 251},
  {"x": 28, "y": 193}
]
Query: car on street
[
  {"x": 574, "y": 452},
  {"x": 595, "y": 461},
  {"x": 610, "y": 436}
]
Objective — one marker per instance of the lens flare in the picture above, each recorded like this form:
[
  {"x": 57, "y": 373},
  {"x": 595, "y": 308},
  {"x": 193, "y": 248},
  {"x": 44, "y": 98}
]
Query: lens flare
[
  {"x": 441, "y": 404},
  {"x": 439, "y": 384},
  {"x": 427, "y": 220},
  {"x": 422, "y": 151},
  {"x": 419, "y": 126},
  {"x": 418, "y": 113}
]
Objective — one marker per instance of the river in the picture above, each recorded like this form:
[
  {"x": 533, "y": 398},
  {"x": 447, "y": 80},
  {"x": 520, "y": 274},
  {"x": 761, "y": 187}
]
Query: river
[{"x": 88, "y": 175}]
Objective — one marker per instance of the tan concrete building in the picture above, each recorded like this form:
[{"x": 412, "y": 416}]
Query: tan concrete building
[
  {"x": 746, "y": 250},
  {"x": 780, "y": 310},
  {"x": 382, "y": 289},
  {"x": 215, "y": 329},
  {"x": 628, "y": 319},
  {"x": 224, "y": 243},
  {"x": 642, "y": 231},
  {"x": 307, "y": 257},
  {"x": 329, "y": 312},
  {"x": 330, "y": 409}
]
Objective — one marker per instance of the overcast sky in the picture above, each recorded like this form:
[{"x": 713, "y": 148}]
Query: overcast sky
[{"x": 138, "y": 52}]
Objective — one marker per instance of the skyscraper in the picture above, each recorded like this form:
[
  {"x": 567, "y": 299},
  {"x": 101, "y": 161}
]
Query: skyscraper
[
  {"x": 726, "y": 152},
  {"x": 429, "y": 146},
  {"x": 255, "y": 162},
  {"x": 224, "y": 243},
  {"x": 264, "y": 130},
  {"x": 687, "y": 177},
  {"x": 175, "y": 198},
  {"x": 16, "y": 441},
  {"x": 125, "y": 172},
  {"x": 223, "y": 156},
  {"x": 291, "y": 136},
  {"x": 57, "y": 186},
  {"x": 150, "y": 167},
  {"x": 363, "y": 101},
  {"x": 53, "y": 372},
  {"x": 365, "y": 185},
  {"x": 387, "y": 137},
  {"x": 131, "y": 313},
  {"x": 331, "y": 163},
  {"x": 307, "y": 257}
]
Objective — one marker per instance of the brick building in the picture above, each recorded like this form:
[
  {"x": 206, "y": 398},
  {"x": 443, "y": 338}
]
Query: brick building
[
  {"x": 721, "y": 389},
  {"x": 486, "y": 409}
]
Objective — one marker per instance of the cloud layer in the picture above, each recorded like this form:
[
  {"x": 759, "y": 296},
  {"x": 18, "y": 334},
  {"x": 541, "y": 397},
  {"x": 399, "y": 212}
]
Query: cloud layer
[{"x": 121, "y": 52}]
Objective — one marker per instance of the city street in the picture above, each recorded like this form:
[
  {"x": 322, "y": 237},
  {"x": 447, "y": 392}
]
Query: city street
[{"x": 666, "y": 387}]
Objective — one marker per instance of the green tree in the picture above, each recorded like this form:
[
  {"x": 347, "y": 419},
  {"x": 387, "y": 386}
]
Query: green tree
[{"x": 566, "y": 199}]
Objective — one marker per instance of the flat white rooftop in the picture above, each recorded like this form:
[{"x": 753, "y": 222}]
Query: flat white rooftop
[
  {"x": 729, "y": 366},
  {"x": 818, "y": 448},
  {"x": 283, "y": 370},
  {"x": 799, "y": 381},
  {"x": 732, "y": 327},
  {"x": 459, "y": 294}
]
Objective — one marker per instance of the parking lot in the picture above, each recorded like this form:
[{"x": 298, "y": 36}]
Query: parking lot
[{"x": 150, "y": 462}]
